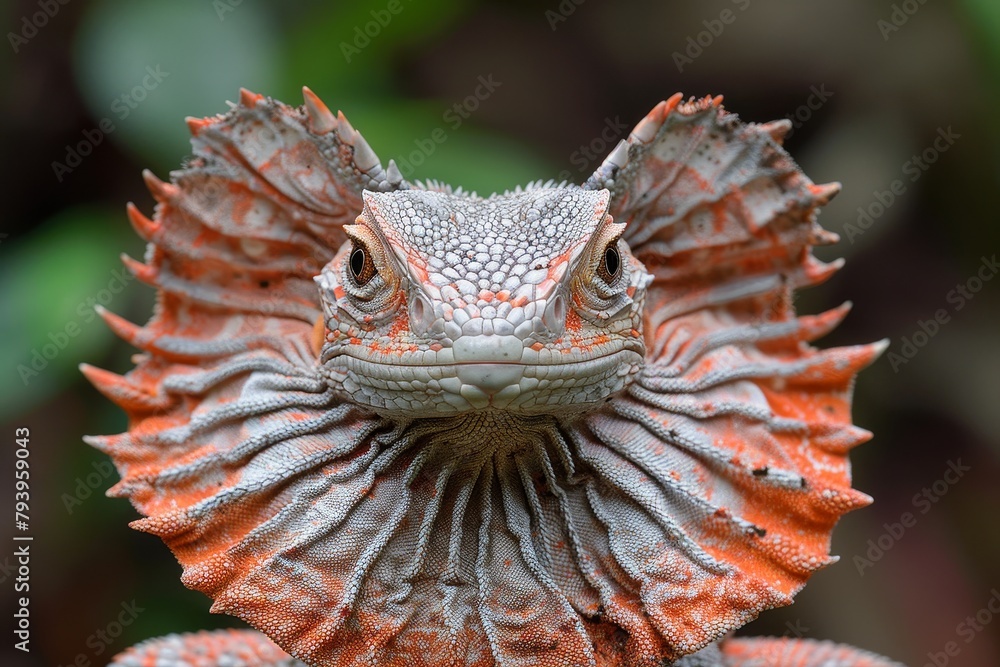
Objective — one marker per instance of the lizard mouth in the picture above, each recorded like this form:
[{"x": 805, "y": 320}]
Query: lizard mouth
[{"x": 525, "y": 385}]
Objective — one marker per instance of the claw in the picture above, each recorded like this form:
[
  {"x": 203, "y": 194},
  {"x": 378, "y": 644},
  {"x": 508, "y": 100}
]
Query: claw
[{"x": 321, "y": 120}]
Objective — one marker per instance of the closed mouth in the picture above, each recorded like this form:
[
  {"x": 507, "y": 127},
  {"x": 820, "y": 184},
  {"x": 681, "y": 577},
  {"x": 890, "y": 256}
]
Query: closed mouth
[{"x": 456, "y": 387}]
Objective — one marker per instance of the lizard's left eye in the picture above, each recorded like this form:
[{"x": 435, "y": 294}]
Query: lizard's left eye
[
  {"x": 611, "y": 263},
  {"x": 361, "y": 264}
]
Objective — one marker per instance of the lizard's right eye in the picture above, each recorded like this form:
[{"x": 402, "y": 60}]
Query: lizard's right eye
[{"x": 361, "y": 264}]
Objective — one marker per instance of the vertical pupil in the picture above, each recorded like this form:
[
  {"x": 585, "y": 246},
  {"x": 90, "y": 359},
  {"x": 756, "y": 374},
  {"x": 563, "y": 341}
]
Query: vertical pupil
[
  {"x": 357, "y": 262},
  {"x": 612, "y": 261}
]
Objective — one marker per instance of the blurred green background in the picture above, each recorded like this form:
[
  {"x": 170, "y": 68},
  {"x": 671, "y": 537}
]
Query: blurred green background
[{"x": 869, "y": 85}]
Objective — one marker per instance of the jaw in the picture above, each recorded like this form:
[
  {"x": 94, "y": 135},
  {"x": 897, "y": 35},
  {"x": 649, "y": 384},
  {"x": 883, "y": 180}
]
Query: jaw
[{"x": 448, "y": 389}]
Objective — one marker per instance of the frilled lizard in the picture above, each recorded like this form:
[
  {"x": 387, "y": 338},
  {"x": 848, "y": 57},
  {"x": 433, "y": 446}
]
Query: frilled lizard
[{"x": 393, "y": 423}]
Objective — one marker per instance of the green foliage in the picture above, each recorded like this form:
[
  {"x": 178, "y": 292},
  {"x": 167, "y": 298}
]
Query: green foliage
[
  {"x": 49, "y": 283},
  {"x": 207, "y": 60},
  {"x": 984, "y": 20}
]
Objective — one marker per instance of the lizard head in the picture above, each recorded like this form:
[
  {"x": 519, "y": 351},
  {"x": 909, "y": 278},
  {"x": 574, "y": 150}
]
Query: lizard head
[{"x": 440, "y": 303}]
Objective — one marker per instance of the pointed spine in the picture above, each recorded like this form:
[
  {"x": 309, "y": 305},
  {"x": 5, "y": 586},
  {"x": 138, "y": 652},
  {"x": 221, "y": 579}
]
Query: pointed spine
[
  {"x": 143, "y": 272},
  {"x": 838, "y": 501},
  {"x": 824, "y": 192},
  {"x": 196, "y": 125},
  {"x": 131, "y": 333},
  {"x": 344, "y": 129},
  {"x": 321, "y": 119},
  {"x": 143, "y": 226},
  {"x": 619, "y": 156},
  {"x": 162, "y": 192},
  {"x": 249, "y": 99},
  {"x": 777, "y": 129},
  {"x": 393, "y": 175},
  {"x": 813, "y": 327},
  {"x": 646, "y": 129},
  {"x": 364, "y": 156},
  {"x": 118, "y": 389},
  {"x": 106, "y": 443}
]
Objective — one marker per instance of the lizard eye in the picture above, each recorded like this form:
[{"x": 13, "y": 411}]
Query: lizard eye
[
  {"x": 361, "y": 264},
  {"x": 611, "y": 263}
]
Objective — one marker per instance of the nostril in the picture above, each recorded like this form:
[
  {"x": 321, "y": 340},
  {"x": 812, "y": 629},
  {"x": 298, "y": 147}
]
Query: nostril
[
  {"x": 421, "y": 313},
  {"x": 554, "y": 317}
]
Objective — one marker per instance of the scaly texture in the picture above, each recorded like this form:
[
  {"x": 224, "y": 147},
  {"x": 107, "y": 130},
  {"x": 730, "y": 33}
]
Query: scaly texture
[
  {"x": 221, "y": 648},
  {"x": 246, "y": 648},
  {"x": 395, "y": 424},
  {"x": 784, "y": 652}
]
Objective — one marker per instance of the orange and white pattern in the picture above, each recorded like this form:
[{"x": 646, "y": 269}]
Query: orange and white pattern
[{"x": 534, "y": 514}]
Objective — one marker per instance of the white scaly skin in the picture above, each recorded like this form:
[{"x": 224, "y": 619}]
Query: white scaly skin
[{"x": 468, "y": 305}]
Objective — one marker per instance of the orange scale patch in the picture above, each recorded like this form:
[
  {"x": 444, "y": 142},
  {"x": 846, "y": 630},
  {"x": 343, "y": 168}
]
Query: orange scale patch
[
  {"x": 821, "y": 407},
  {"x": 209, "y": 236},
  {"x": 144, "y": 426},
  {"x": 215, "y": 535},
  {"x": 573, "y": 322},
  {"x": 165, "y": 502}
]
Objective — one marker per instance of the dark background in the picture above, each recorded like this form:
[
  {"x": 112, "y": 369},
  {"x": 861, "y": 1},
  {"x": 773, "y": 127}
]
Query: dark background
[{"x": 880, "y": 93}]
